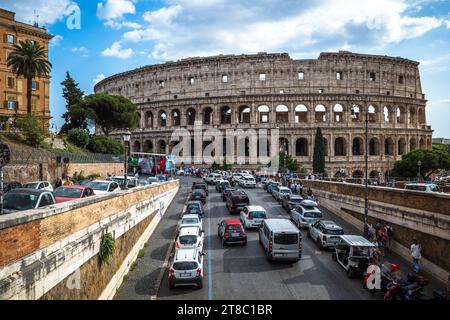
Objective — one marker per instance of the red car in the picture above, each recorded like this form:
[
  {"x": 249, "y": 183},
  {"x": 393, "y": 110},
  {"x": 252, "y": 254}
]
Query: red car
[
  {"x": 68, "y": 193},
  {"x": 232, "y": 231}
]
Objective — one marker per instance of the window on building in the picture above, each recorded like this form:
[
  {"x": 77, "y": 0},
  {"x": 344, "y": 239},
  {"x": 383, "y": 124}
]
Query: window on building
[
  {"x": 191, "y": 81},
  {"x": 11, "y": 82},
  {"x": 281, "y": 91},
  {"x": 224, "y": 78},
  {"x": 339, "y": 75},
  {"x": 33, "y": 42},
  {"x": 372, "y": 76},
  {"x": 10, "y": 104},
  {"x": 301, "y": 75},
  {"x": 161, "y": 84},
  {"x": 34, "y": 85},
  {"x": 262, "y": 76},
  {"x": 9, "y": 38},
  {"x": 400, "y": 79},
  {"x": 320, "y": 90},
  {"x": 33, "y": 104}
]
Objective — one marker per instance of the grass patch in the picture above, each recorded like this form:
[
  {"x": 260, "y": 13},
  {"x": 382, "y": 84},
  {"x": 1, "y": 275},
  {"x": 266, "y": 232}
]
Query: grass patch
[
  {"x": 125, "y": 277},
  {"x": 141, "y": 253},
  {"x": 133, "y": 266}
]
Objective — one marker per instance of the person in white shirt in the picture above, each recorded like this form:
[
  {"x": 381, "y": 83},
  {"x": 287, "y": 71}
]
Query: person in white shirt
[{"x": 416, "y": 254}]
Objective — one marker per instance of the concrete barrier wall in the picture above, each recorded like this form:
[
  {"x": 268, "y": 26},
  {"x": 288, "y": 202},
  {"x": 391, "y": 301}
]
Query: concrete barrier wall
[
  {"x": 412, "y": 214},
  {"x": 53, "y": 253}
]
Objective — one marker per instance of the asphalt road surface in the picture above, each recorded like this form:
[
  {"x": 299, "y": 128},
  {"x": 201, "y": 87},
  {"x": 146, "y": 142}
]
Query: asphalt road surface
[{"x": 242, "y": 272}]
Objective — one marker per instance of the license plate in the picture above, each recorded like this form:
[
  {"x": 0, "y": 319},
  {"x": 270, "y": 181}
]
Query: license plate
[
  {"x": 234, "y": 234},
  {"x": 279, "y": 254},
  {"x": 185, "y": 275}
]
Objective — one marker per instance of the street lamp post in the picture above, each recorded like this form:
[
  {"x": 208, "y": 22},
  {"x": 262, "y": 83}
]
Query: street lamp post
[
  {"x": 126, "y": 136},
  {"x": 419, "y": 163}
]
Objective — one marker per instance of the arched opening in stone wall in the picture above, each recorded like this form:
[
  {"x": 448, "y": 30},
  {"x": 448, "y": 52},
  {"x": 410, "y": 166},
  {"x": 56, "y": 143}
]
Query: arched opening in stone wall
[
  {"x": 263, "y": 114},
  {"x": 301, "y": 114},
  {"x": 320, "y": 113},
  {"x": 162, "y": 118},
  {"x": 282, "y": 114},
  {"x": 136, "y": 146},
  {"x": 162, "y": 146},
  {"x": 422, "y": 144},
  {"x": 172, "y": 145},
  {"x": 372, "y": 113},
  {"x": 401, "y": 115},
  {"x": 176, "y": 117},
  {"x": 340, "y": 147},
  {"x": 148, "y": 146},
  {"x": 191, "y": 116},
  {"x": 139, "y": 115},
  {"x": 263, "y": 142},
  {"x": 412, "y": 115},
  {"x": 401, "y": 146},
  {"x": 340, "y": 174},
  {"x": 148, "y": 119},
  {"x": 247, "y": 148},
  {"x": 357, "y": 174},
  {"x": 192, "y": 148},
  {"x": 355, "y": 113},
  {"x": 412, "y": 144},
  {"x": 301, "y": 147},
  {"x": 374, "y": 174},
  {"x": 208, "y": 116},
  {"x": 357, "y": 146},
  {"x": 244, "y": 114},
  {"x": 387, "y": 114},
  {"x": 421, "y": 116},
  {"x": 284, "y": 145},
  {"x": 225, "y": 115},
  {"x": 429, "y": 145},
  {"x": 206, "y": 144},
  {"x": 389, "y": 147},
  {"x": 338, "y": 112},
  {"x": 374, "y": 147}
]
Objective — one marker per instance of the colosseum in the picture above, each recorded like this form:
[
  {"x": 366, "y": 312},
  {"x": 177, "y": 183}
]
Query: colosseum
[{"x": 266, "y": 91}]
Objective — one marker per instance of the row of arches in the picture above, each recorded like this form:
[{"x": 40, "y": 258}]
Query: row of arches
[{"x": 281, "y": 113}]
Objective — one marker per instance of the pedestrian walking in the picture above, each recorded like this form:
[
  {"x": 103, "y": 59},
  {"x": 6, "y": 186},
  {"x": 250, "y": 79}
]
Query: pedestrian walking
[
  {"x": 58, "y": 182},
  {"x": 309, "y": 193},
  {"x": 416, "y": 254},
  {"x": 390, "y": 234}
]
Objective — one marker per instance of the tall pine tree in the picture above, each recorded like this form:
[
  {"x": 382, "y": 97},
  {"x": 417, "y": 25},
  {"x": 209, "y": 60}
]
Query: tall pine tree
[
  {"x": 319, "y": 153},
  {"x": 74, "y": 117}
]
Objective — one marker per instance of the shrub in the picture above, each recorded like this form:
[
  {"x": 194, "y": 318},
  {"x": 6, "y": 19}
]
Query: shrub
[
  {"x": 32, "y": 130},
  {"x": 78, "y": 137},
  {"x": 105, "y": 144}
]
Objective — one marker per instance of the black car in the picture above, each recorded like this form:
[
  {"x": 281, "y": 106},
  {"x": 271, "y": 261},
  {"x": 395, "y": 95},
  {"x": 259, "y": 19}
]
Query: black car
[
  {"x": 8, "y": 186},
  {"x": 226, "y": 192},
  {"x": 198, "y": 194},
  {"x": 236, "y": 201},
  {"x": 201, "y": 186},
  {"x": 194, "y": 207},
  {"x": 291, "y": 202},
  {"x": 222, "y": 184}
]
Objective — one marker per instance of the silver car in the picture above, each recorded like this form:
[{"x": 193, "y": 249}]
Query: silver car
[
  {"x": 306, "y": 213},
  {"x": 325, "y": 233}
]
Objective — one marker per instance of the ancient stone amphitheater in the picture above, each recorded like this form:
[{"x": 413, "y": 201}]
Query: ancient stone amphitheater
[{"x": 268, "y": 91}]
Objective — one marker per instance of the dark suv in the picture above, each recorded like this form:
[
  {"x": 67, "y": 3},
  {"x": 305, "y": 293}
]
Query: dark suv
[
  {"x": 198, "y": 194},
  {"x": 237, "y": 200},
  {"x": 201, "y": 186}
]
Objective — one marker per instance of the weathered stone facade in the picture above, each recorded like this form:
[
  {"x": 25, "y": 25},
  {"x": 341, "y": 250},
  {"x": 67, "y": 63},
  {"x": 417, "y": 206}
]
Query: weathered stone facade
[{"x": 297, "y": 96}]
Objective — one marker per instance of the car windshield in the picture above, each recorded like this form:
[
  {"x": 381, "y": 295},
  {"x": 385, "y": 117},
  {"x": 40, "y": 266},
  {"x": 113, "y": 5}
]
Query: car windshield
[
  {"x": 249, "y": 179},
  {"x": 257, "y": 214},
  {"x": 31, "y": 185},
  {"x": 312, "y": 214},
  {"x": 308, "y": 207},
  {"x": 198, "y": 193},
  {"x": 434, "y": 188},
  {"x": 189, "y": 221},
  {"x": 193, "y": 206},
  {"x": 285, "y": 191},
  {"x": 333, "y": 231},
  {"x": 101, "y": 186},
  {"x": 296, "y": 200},
  {"x": 152, "y": 179},
  {"x": 187, "y": 265},
  {"x": 188, "y": 240},
  {"x": 68, "y": 192},
  {"x": 361, "y": 251},
  {"x": 286, "y": 238},
  {"x": 233, "y": 227},
  {"x": 19, "y": 201}
]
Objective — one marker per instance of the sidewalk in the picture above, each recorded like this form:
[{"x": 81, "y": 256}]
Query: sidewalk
[{"x": 140, "y": 284}]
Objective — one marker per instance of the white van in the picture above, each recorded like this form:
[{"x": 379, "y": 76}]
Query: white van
[{"x": 281, "y": 240}]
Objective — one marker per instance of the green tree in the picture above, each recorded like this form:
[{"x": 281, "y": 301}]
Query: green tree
[
  {"x": 78, "y": 137},
  {"x": 29, "y": 60},
  {"x": 105, "y": 144},
  {"x": 319, "y": 153},
  {"x": 32, "y": 130},
  {"x": 431, "y": 162},
  {"x": 111, "y": 112},
  {"x": 291, "y": 163},
  {"x": 75, "y": 116}
]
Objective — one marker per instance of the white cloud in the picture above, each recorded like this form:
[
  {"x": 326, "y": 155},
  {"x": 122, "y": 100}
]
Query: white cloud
[
  {"x": 117, "y": 51},
  {"x": 98, "y": 78},
  {"x": 115, "y": 9},
  {"x": 83, "y": 51},
  {"x": 193, "y": 28},
  {"x": 124, "y": 24},
  {"x": 447, "y": 22},
  {"x": 49, "y": 11},
  {"x": 56, "y": 40}
]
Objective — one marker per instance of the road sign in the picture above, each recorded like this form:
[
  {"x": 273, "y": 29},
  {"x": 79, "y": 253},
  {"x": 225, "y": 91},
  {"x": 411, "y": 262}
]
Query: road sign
[{"x": 5, "y": 154}]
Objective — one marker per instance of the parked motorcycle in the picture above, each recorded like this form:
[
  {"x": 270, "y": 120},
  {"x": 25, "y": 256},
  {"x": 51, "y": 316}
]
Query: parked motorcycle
[
  {"x": 411, "y": 289},
  {"x": 388, "y": 272}
]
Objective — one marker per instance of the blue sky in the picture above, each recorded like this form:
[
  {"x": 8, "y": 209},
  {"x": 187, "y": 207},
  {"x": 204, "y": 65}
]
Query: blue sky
[{"x": 118, "y": 35}]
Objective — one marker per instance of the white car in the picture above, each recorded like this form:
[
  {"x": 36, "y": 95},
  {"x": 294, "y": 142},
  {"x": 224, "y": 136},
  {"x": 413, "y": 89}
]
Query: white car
[
  {"x": 131, "y": 181},
  {"x": 39, "y": 185},
  {"x": 253, "y": 216},
  {"x": 306, "y": 213},
  {"x": 425, "y": 187},
  {"x": 247, "y": 182},
  {"x": 190, "y": 237},
  {"x": 103, "y": 186},
  {"x": 186, "y": 268},
  {"x": 212, "y": 178},
  {"x": 191, "y": 220},
  {"x": 325, "y": 233},
  {"x": 280, "y": 192}
]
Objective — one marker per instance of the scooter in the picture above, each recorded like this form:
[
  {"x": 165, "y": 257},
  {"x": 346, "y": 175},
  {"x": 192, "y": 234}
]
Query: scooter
[
  {"x": 412, "y": 289},
  {"x": 388, "y": 274}
]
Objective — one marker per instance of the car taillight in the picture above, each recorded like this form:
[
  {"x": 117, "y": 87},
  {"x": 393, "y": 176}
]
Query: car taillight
[
  {"x": 226, "y": 235},
  {"x": 270, "y": 245},
  {"x": 177, "y": 245},
  {"x": 171, "y": 273},
  {"x": 199, "y": 272}
]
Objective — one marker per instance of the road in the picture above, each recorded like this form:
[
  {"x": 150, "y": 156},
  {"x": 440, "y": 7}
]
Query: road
[{"x": 242, "y": 272}]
